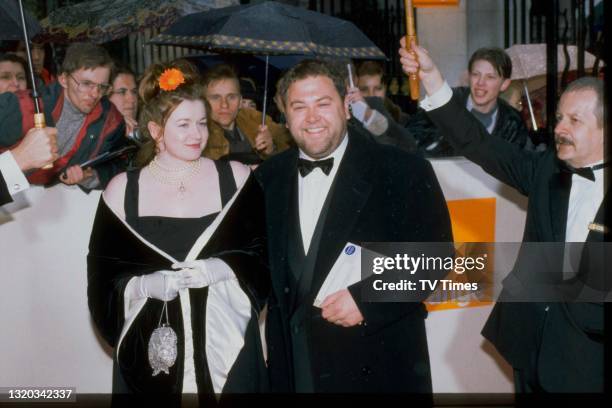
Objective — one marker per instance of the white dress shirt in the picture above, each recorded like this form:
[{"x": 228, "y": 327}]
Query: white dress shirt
[
  {"x": 313, "y": 190},
  {"x": 12, "y": 174},
  {"x": 584, "y": 201}
]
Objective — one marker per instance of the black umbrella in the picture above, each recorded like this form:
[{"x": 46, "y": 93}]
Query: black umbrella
[
  {"x": 270, "y": 28},
  {"x": 10, "y": 22}
]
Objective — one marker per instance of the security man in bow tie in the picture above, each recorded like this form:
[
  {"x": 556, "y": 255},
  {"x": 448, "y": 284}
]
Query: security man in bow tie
[
  {"x": 341, "y": 186},
  {"x": 554, "y": 344}
]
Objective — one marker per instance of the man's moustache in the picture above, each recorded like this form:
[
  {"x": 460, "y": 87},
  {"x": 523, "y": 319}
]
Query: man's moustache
[{"x": 563, "y": 140}]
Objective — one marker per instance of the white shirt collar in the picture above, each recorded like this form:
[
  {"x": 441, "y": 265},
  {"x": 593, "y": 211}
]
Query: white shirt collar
[{"x": 336, "y": 154}]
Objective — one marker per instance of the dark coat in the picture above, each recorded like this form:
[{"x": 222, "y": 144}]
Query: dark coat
[
  {"x": 381, "y": 194},
  {"x": 509, "y": 126},
  {"x": 565, "y": 339},
  {"x": 116, "y": 254}
]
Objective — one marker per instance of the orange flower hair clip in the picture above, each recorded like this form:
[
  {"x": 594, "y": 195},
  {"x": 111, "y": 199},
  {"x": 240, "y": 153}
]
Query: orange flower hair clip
[{"x": 171, "y": 79}]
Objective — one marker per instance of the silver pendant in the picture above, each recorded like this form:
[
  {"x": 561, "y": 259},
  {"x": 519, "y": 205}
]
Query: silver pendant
[
  {"x": 162, "y": 349},
  {"x": 182, "y": 189}
]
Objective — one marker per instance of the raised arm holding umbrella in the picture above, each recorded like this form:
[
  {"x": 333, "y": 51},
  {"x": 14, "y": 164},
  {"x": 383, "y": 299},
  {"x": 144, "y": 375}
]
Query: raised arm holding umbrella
[
  {"x": 17, "y": 25},
  {"x": 38, "y": 147}
]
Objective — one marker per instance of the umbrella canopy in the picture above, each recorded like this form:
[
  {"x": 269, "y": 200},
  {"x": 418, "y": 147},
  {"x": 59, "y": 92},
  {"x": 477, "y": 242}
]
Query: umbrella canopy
[
  {"x": 100, "y": 21},
  {"x": 270, "y": 28},
  {"x": 10, "y": 22},
  {"x": 529, "y": 60}
]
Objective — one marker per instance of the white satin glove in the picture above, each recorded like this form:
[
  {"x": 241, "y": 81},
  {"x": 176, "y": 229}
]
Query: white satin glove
[
  {"x": 202, "y": 272},
  {"x": 160, "y": 285}
]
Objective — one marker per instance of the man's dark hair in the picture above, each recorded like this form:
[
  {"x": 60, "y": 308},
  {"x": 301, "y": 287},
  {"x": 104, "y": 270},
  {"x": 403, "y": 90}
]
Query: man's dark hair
[
  {"x": 372, "y": 68},
  {"x": 120, "y": 69},
  {"x": 311, "y": 68},
  {"x": 590, "y": 84},
  {"x": 220, "y": 72},
  {"x": 497, "y": 57},
  {"x": 85, "y": 56}
]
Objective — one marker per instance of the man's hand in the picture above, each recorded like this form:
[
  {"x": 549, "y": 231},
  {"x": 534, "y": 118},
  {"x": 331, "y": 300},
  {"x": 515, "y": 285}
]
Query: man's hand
[
  {"x": 38, "y": 148},
  {"x": 340, "y": 308},
  {"x": 263, "y": 141},
  {"x": 418, "y": 59},
  {"x": 75, "y": 174}
]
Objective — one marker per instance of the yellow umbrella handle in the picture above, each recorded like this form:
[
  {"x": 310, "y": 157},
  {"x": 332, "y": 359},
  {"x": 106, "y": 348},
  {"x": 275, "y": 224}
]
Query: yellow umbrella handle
[
  {"x": 413, "y": 79},
  {"x": 39, "y": 123}
]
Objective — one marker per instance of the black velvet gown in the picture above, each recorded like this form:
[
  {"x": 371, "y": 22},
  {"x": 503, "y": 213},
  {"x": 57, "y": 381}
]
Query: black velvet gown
[{"x": 212, "y": 356}]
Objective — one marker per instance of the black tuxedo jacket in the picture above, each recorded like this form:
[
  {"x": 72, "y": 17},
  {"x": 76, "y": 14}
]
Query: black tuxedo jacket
[
  {"x": 380, "y": 194},
  {"x": 564, "y": 340},
  {"x": 5, "y": 196}
]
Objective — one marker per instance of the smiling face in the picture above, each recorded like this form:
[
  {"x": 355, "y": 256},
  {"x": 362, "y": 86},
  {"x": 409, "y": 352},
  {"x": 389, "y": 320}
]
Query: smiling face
[
  {"x": 224, "y": 99},
  {"x": 12, "y": 77},
  {"x": 85, "y": 96},
  {"x": 185, "y": 133},
  {"x": 316, "y": 115},
  {"x": 578, "y": 136},
  {"x": 485, "y": 85}
]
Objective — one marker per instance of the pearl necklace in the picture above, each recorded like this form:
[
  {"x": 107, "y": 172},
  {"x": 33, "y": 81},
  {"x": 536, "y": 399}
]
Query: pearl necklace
[{"x": 174, "y": 176}]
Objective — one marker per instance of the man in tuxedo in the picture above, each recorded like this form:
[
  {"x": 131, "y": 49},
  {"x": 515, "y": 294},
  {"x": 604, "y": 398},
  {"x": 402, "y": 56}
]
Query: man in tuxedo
[
  {"x": 554, "y": 344},
  {"x": 340, "y": 186},
  {"x": 37, "y": 148}
]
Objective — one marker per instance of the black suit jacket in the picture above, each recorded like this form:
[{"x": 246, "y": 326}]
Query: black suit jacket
[
  {"x": 381, "y": 194},
  {"x": 564, "y": 340},
  {"x": 5, "y": 196}
]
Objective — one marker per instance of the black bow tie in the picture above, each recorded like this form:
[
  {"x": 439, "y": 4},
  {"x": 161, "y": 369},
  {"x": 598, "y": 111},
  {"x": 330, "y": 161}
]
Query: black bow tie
[
  {"x": 586, "y": 172},
  {"x": 306, "y": 166}
]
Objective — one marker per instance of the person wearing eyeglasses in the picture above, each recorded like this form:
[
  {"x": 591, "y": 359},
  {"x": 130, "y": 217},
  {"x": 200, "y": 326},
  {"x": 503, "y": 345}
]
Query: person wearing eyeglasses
[
  {"x": 87, "y": 123},
  {"x": 124, "y": 95}
]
